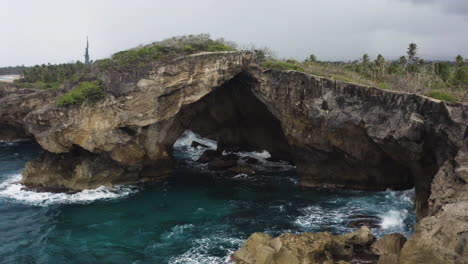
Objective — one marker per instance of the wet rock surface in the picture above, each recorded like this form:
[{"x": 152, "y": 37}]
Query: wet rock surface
[{"x": 365, "y": 220}]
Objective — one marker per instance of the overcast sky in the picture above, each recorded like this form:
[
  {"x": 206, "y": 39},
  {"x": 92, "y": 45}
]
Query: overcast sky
[{"x": 41, "y": 31}]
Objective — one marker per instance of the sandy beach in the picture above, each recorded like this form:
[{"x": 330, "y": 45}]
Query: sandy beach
[{"x": 9, "y": 78}]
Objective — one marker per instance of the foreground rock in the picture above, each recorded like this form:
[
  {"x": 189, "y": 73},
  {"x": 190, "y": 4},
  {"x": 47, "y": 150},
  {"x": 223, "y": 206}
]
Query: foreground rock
[
  {"x": 388, "y": 248},
  {"x": 306, "y": 248}
]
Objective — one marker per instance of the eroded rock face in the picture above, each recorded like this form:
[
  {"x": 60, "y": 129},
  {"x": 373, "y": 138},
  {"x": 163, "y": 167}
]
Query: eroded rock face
[
  {"x": 306, "y": 248},
  {"x": 132, "y": 129},
  {"x": 15, "y": 104},
  {"x": 344, "y": 135}
]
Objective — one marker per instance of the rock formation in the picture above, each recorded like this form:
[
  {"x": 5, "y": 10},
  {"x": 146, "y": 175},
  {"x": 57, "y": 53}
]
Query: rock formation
[
  {"x": 306, "y": 248},
  {"x": 337, "y": 134}
]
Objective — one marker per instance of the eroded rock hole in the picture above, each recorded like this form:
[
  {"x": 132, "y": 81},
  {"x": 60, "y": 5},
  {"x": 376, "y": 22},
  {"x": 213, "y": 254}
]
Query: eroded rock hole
[{"x": 230, "y": 130}]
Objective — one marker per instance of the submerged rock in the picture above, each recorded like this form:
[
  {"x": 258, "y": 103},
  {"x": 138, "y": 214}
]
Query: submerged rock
[
  {"x": 306, "y": 248},
  {"x": 364, "y": 220}
]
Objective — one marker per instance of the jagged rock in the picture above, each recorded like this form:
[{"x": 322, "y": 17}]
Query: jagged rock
[
  {"x": 364, "y": 220},
  {"x": 306, "y": 248},
  {"x": 250, "y": 160},
  {"x": 222, "y": 163},
  {"x": 209, "y": 155},
  {"x": 441, "y": 238},
  {"x": 373, "y": 222},
  {"x": 388, "y": 248}
]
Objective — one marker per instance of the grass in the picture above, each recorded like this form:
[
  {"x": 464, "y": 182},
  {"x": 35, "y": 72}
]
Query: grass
[
  {"x": 281, "y": 65},
  {"x": 38, "y": 85},
  {"x": 163, "y": 50},
  {"x": 424, "y": 82},
  {"x": 85, "y": 92},
  {"x": 442, "y": 95}
]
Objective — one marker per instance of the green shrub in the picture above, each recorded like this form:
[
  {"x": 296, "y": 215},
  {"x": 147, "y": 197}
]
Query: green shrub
[
  {"x": 85, "y": 92},
  {"x": 383, "y": 86},
  {"x": 38, "y": 85},
  {"x": 440, "y": 95},
  {"x": 163, "y": 50},
  {"x": 219, "y": 47},
  {"x": 188, "y": 48},
  {"x": 281, "y": 65}
]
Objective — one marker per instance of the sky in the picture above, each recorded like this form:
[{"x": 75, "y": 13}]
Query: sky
[{"x": 43, "y": 31}]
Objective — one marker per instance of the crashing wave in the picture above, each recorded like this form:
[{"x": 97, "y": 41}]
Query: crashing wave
[{"x": 12, "y": 190}]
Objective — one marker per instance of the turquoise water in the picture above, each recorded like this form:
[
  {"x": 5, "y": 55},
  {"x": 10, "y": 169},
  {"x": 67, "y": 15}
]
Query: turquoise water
[{"x": 196, "y": 217}]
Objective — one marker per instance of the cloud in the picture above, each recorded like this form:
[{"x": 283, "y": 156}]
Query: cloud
[
  {"x": 459, "y": 7},
  {"x": 55, "y": 31}
]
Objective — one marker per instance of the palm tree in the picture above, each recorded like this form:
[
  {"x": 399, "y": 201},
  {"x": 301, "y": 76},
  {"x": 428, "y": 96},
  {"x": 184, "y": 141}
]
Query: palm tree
[
  {"x": 412, "y": 48},
  {"x": 460, "y": 61},
  {"x": 380, "y": 63},
  {"x": 402, "y": 61}
]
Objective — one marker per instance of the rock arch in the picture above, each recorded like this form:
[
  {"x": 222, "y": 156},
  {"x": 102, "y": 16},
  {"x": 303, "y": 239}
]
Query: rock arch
[{"x": 338, "y": 134}]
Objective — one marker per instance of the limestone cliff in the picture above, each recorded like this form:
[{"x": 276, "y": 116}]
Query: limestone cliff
[{"x": 338, "y": 135}]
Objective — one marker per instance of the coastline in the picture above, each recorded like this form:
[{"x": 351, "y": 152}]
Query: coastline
[{"x": 9, "y": 78}]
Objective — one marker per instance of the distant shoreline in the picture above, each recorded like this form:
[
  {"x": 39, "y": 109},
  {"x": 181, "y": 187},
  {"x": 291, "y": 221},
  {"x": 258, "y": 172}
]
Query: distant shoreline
[{"x": 9, "y": 78}]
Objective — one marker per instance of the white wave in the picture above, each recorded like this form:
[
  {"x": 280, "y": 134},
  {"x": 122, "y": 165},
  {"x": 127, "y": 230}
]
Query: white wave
[
  {"x": 199, "y": 254},
  {"x": 184, "y": 145},
  {"x": 262, "y": 155},
  {"x": 177, "y": 231},
  {"x": 240, "y": 176},
  {"x": 405, "y": 197},
  {"x": 188, "y": 137},
  {"x": 11, "y": 189},
  {"x": 394, "y": 219},
  {"x": 315, "y": 216}
]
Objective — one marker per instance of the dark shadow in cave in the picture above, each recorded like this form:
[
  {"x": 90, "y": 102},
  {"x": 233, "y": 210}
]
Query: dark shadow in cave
[{"x": 237, "y": 120}]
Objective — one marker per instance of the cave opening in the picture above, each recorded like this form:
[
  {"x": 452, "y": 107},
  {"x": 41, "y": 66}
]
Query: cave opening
[{"x": 231, "y": 130}]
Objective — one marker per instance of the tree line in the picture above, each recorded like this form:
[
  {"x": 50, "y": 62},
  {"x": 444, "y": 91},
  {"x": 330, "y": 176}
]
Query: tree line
[{"x": 10, "y": 70}]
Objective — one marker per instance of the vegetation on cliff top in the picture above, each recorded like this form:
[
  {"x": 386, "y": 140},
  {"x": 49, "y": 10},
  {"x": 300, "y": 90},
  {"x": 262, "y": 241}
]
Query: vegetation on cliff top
[
  {"x": 446, "y": 81},
  {"x": 441, "y": 80},
  {"x": 49, "y": 76},
  {"x": 85, "y": 92},
  {"x": 164, "y": 50}
]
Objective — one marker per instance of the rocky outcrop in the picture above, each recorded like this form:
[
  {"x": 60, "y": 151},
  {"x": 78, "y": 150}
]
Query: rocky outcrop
[
  {"x": 306, "y": 248},
  {"x": 337, "y": 134},
  {"x": 388, "y": 248},
  {"x": 15, "y": 104}
]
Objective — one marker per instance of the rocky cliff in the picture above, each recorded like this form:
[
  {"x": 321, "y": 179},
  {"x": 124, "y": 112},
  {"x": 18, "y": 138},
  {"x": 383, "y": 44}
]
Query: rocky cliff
[{"x": 338, "y": 135}]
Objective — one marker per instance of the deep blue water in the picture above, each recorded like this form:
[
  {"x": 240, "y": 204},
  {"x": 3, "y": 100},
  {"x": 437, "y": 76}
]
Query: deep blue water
[{"x": 196, "y": 217}]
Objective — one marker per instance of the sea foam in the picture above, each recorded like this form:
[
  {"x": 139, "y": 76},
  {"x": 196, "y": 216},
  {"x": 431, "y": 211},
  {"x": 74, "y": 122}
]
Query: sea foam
[{"x": 12, "y": 190}]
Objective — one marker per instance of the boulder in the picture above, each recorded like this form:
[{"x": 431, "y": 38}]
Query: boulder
[
  {"x": 364, "y": 220},
  {"x": 388, "y": 248},
  {"x": 209, "y": 155},
  {"x": 305, "y": 248}
]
